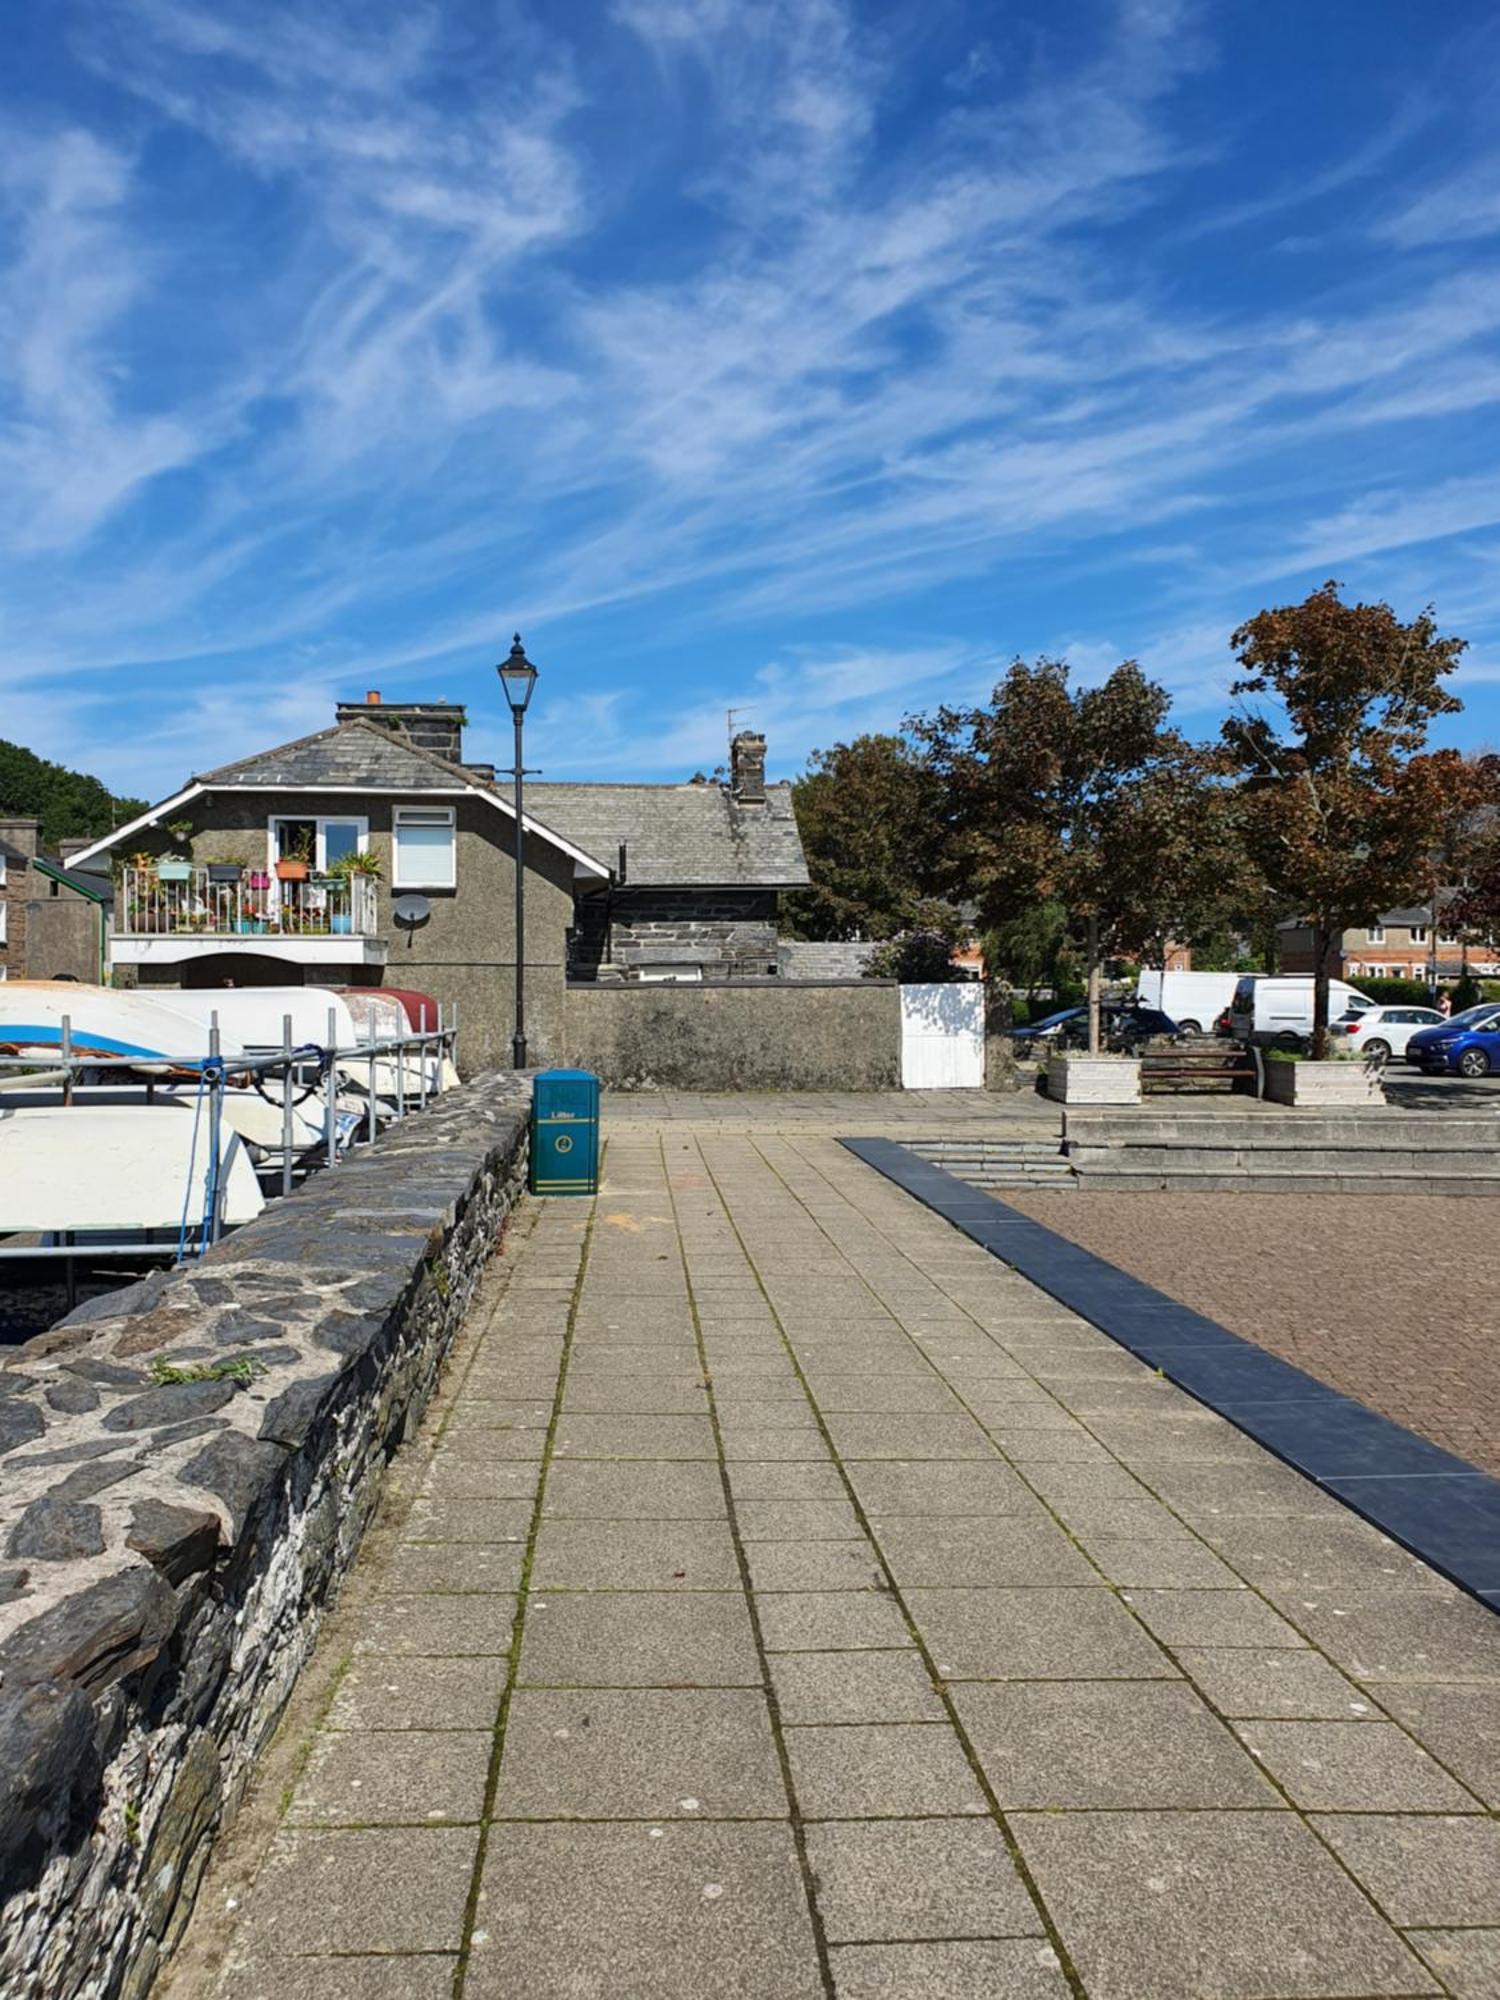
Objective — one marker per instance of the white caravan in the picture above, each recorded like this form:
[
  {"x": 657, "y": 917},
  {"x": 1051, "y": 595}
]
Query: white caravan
[
  {"x": 1194, "y": 1000},
  {"x": 1277, "y": 1012}
]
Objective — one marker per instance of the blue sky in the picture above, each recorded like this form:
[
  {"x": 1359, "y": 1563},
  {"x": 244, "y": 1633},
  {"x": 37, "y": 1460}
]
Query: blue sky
[{"x": 805, "y": 358}]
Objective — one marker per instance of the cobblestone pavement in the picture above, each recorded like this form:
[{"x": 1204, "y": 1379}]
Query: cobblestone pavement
[
  {"x": 1392, "y": 1298},
  {"x": 797, "y": 1603}
]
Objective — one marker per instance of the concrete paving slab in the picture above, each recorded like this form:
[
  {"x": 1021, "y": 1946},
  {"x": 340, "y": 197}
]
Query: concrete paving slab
[
  {"x": 1380, "y": 1636},
  {"x": 972, "y": 1969},
  {"x": 1354, "y": 1766},
  {"x": 374, "y": 1889},
  {"x": 1468, "y": 1962},
  {"x": 882, "y": 1880},
  {"x": 634, "y": 1437},
  {"x": 795, "y": 1520},
  {"x": 815, "y": 1566},
  {"x": 363, "y": 1978},
  {"x": 987, "y": 1486},
  {"x": 641, "y": 1753},
  {"x": 881, "y": 1770},
  {"x": 645, "y": 1490},
  {"x": 1103, "y": 1745},
  {"x": 639, "y": 1639},
  {"x": 1176, "y": 1906},
  {"x": 923, "y": 1435},
  {"x": 600, "y": 1912},
  {"x": 1035, "y": 1634},
  {"x": 1278, "y": 1684},
  {"x": 1233, "y": 1617},
  {"x": 392, "y": 1778},
  {"x": 854, "y": 1687},
  {"x": 398, "y": 1693},
  {"x": 983, "y": 1550},
  {"x": 1422, "y": 1870},
  {"x": 436, "y": 1626},
  {"x": 781, "y": 1479},
  {"x": 1172, "y": 1559},
  {"x": 634, "y": 1555},
  {"x": 419, "y": 1567},
  {"x": 624, "y": 1395},
  {"x": 1460, "y": 1725},
  {"x": 468, "y": 1520},
  {"x": 816, "y": 1621}
]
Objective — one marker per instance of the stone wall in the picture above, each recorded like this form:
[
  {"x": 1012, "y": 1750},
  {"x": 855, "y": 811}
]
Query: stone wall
[
  {"x": 797, "y": 958},
  {"x": 169, "y": 1545},
  {"x": 762, "y": 1036},
  {"x": 729, "y": 932}
]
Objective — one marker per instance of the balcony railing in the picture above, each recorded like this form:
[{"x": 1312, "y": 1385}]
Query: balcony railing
[{"x": 257, "y": 905}]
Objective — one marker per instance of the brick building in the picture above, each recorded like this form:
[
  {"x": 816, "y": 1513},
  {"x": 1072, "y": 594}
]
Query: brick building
[{"x": 1398, "y": 946}]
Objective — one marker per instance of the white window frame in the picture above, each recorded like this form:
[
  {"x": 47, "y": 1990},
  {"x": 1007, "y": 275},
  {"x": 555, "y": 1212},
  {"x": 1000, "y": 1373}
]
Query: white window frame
[
  {"x": 4, "y": 864},
  {"x": 1375, "y": 934},
  {"x": 428, "y": 816},
  {"x": 321, "y": 822},
  {"x": 4, "y": 921},
  {"x": 4, "y": 972},
  {"x": 1418, "y": 934}
]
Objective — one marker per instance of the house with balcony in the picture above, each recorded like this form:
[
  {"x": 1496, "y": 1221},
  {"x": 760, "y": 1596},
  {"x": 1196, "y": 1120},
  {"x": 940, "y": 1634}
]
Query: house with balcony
[{"x": 371, "y": 853}]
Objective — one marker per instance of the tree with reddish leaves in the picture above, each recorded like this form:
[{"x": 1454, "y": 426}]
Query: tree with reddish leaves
[{"x": 1343, "y": 813}]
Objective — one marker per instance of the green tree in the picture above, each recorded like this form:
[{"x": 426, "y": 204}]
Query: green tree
[
  {"x": 69, "y": 804},
  {"x": 1081, "y": 798},
  {"x": 1342, "y": 814},
  {"x": 869, "y": 814}
]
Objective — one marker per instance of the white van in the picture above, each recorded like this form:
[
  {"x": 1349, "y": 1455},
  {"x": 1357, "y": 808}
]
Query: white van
[
  {"x": 1194, "y": 1000},
  {"x": 1278, "y": 1011}
]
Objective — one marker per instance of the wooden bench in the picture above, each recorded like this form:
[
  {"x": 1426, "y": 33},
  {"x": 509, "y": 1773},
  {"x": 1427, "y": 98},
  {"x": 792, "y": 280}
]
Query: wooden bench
[{"x": 1199, "y": 1069}]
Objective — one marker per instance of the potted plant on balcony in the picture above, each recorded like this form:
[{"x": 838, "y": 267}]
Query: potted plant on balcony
[
  {"x": 348, "y": 869},
  {"x": 295, "y": 865},
  {"x": 175, "y": 867},
  {"x": 228, "y": 873}
]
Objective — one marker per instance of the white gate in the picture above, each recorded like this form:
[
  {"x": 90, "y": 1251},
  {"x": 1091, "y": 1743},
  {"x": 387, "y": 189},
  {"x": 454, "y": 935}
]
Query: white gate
[{"x": 942, "y": 1037}]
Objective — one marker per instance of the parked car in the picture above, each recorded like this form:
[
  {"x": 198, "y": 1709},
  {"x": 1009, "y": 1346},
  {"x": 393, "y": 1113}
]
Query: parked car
[
  {"x": 1122, "y": 1027},
  {"x": 1383, "y": 1032},
  {"x": 1465, "y": 1037},
  {"x": 1277, "y": 1012},
  {"x": 1194, "y": 1000}
]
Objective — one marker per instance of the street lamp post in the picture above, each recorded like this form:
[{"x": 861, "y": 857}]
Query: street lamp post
[{"x": 518, "y": 678}]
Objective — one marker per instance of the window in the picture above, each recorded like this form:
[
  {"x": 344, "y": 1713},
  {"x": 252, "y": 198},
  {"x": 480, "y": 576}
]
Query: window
[
  {"x": 1375, "y": 934},
  {"x": 324, "y": 840},
  {"x": 2, "y": 871},
  {"x": 1419, "y": 933},
  {"x": 426, "y": 848},
  {"x": 4, "y": 972},
  {"x": 4, "y": 923}
]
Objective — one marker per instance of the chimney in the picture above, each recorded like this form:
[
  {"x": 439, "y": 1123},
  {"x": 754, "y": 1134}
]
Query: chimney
[
  {"x": 21, "y": 834},
  {"x": 747, "y": 768},
  {"x": 430, "y": 725},
  {"x": 75, "y": 844}
]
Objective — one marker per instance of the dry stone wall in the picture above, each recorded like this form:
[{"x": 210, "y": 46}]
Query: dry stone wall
[{"x": 167, "y": 1546}]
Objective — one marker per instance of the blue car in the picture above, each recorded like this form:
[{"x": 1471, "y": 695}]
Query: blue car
[{"x": 1466, "y": 1045}]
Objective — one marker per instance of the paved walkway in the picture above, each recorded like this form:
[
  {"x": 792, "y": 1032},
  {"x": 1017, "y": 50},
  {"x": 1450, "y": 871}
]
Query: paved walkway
[{"x": 797, "y": 1603}]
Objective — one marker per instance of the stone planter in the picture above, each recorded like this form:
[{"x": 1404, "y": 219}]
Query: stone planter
[
  {"x": 1322, "y": 1084},
  {"x": 1075, "y": 1079}
]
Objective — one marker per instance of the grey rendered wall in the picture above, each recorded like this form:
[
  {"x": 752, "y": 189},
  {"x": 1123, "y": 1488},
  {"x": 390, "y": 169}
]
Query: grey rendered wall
[{"x": 776, "y": 1036}]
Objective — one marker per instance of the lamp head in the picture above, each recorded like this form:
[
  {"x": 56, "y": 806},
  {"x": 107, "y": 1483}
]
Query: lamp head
[{"x": 517, "y": 677}]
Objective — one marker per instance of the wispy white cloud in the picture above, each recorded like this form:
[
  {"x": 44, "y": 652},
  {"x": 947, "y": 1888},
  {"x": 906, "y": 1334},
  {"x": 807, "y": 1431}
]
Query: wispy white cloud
[{"x": 677, "y": 313}]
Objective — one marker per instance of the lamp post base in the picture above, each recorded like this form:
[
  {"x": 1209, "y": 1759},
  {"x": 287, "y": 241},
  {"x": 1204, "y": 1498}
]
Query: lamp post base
[{"x": 518, "y": 1051}]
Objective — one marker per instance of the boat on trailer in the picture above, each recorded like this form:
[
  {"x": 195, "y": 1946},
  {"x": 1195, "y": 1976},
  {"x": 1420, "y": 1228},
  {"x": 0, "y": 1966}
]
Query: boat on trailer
[{"x": 119, "y": 1174}]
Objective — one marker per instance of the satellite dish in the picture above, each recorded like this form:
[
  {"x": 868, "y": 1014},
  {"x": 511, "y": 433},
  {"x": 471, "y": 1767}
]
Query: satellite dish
[{"x": 411, "y": 911}]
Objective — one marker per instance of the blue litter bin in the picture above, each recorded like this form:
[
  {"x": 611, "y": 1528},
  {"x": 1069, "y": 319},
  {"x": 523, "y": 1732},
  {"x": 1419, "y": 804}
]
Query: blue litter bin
[{"x": 565, "y": 1132}]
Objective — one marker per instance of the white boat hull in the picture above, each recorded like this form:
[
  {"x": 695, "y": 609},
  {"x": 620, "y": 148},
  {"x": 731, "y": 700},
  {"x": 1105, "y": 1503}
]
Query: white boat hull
[{"x": 116, "y": 1170}]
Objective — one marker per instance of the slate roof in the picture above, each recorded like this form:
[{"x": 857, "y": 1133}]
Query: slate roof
[
  {"x": 679, "y": 836},
  {"x": 350, "y": 753},
  {"x": 82, "y": 881}
]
